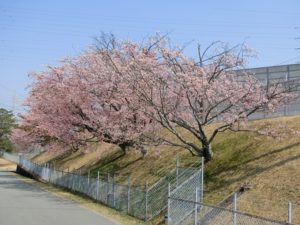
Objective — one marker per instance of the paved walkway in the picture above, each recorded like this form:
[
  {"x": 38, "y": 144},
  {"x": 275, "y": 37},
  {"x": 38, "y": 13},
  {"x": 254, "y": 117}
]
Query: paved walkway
[{"x": 22, "y": 203}]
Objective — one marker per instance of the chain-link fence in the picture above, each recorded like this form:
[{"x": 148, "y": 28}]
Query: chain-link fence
[
  {"x": 203, "y": 214},
  {"x": 121, "y": 197},
  {"x": 190, "y": 189},
  {"x": 141, "y": 202},
  {"x": 158, "y": 193}
]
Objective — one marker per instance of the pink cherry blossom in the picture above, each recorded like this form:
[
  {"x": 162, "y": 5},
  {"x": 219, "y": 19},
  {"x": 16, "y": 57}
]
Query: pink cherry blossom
[{"x": 125, "y": 93}]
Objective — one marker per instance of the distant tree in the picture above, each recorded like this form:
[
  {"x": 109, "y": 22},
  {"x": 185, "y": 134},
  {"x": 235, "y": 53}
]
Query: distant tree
[{"x": 7, "y": 123}]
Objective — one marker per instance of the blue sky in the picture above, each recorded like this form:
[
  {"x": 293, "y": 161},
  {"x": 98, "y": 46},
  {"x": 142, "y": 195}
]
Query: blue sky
[{"x": 36, "y": 33}]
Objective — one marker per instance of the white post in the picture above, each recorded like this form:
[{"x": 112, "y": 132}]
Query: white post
[
  {"x": 128, "y": 194},
  {"x": 49, "y": 174},
  {"x": 169, "y": 218},
  {"x": 290, "y": 213},
  {"x": 107, "y": 190},
  {"x": 234, "y": 208},
  {"x": 20, "y": 158},
  {"x": 113, "y": 190},
  {"x": 177, "y": 170},
  {"x": 202, "y": 180},
  {"x": 196, "y": 205},
  {"x": 98, "y": 185},
  {"x": 146, "y": 201},
  {"x": 73, "y": 181},
  {"x": 69, "y": 176}
]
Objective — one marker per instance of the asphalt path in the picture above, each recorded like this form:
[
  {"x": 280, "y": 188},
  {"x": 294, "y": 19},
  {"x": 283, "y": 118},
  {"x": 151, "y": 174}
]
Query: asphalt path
[{"x": 23, "y": 203}]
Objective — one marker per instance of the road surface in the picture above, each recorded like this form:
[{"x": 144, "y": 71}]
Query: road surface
[{"x": 23, "y": 203}]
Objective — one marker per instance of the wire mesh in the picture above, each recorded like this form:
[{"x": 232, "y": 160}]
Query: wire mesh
[
  {"x": 185, "y": 190},
  {"x": 202, "y": 214},
  {"x": 158, "y": 193}
]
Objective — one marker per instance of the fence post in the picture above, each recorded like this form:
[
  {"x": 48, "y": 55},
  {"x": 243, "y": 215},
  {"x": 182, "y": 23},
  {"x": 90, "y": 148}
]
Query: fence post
[
  {"x": 168, "y": 212},
  {"x": 107, "y": 190},
  {"x": 80, "y": 182},
  {"x": 146, "y": 201},
  {"x": 98, "y": 177},
  {"x": 177, "y": 170},
  {"x": 19, "y": 158},
  {"x": 72, "y": 179},
  {"x": 234, "y": 208},
  {"x": 196, "y": 205},
  {"x": 69, "y": 177},
  {"x": 62, "y": 180},
  {"x": 202, "y": 180},
  {"x": 128, "y": 194},
  {"x": 89, "y": 173},
  {"x": 50, "y": 174},
  {"x": 290, "y": 213},
  {"x": 113, "y": 189}
]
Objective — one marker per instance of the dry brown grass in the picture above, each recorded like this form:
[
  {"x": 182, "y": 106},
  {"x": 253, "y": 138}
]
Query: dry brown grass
[{"x": 270, "y": 167}]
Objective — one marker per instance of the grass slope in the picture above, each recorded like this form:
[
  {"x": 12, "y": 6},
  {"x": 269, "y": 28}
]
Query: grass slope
[{"x": 269, "y": 167}]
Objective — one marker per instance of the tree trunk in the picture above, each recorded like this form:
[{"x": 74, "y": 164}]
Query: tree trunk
[
  {"x": 207, "y": 152},
  {"x": 125, "y": 146}
]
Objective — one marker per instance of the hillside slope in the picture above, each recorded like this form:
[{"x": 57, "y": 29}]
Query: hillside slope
[{"x": 268, "y": 167}]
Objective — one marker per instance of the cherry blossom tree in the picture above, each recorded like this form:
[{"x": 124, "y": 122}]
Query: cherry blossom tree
[
  {"x": 103, "y": 109},
  {"x": 180, "y": 94},
  {"x": 79, "y": 102},
  {"x": 126, "y": 93},
  {"x": 48, "y": 121}
]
